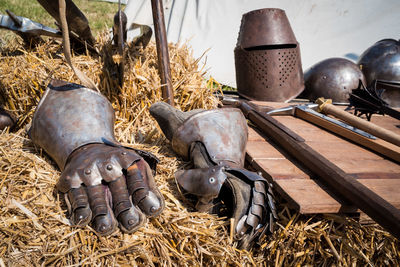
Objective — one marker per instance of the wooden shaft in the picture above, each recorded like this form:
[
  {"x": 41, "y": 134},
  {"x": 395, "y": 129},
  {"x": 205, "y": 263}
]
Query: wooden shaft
[
  {"x": 382, "y": 147},
  {"x": 335, "y": 178},
  {"x": 85, "y": 80},
  {"x": 355, "y": 121},
  {"x": 162, "y": 51}
]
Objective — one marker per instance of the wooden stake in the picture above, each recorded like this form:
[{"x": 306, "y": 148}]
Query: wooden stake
[{"x": 162, "y": 51}]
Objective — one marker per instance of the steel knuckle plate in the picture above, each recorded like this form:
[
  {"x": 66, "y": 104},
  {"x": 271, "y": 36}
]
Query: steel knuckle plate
[
  {"x": 121, "y": 207},
  {"x": 121, "y": 201},
  {"x": 223, "y": 132},
  {"x": 205, "y": 182},
  {"x": 261, "y": 205},
  {"x": 259, "y": 187},
  {"x": 70, "y": 116},
  {"x": 96, "y": 163}
]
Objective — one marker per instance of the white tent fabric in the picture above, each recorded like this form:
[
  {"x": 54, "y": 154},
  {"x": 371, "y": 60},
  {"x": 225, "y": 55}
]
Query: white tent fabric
[
  {"x": 124, "y": 2},
  {"x": 324, "y": 28}
]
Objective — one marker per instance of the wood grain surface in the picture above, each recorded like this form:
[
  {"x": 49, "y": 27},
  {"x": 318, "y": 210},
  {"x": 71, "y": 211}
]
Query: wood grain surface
[{"x": 309, "y": 195}]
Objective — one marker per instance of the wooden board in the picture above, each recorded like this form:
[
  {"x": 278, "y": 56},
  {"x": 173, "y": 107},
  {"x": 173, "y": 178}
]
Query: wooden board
[{"x": 303, "y": 191}]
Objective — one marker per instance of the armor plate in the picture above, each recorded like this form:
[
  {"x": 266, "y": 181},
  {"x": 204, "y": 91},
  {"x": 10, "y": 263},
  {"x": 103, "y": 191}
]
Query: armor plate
[
  {"x": 59, "y": 129},
  {"x": 332, "y": 78},
  {"x": 27, "y": 26},
  {"x": 267, "y": 57},
  {"x": 223, "y": 132},
  {"x": 382, "y": 62}
]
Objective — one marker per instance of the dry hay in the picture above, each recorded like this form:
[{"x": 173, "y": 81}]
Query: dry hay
[{"x": 34, "y": 229}]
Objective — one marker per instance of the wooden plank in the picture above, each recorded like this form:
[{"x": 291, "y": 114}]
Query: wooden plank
[
  {"x": 377, "y": 145},
  {"x": 293, "y": 182},
  {"x": 263, "y": 150},
  {"x": 366, "y": 165},
  {"x": 308, "y": 197},
  {"x": 347, "y": 156},
  {"x": 254, "y": 135},
  {"x": 279, "y": 169},
  {"x": 303, "y": 193},
  {"x": 338, "y": 150},
  {"x": 343, "y": 150},
  {"x": 306, "y": 130},
  {"x": 375, "y": 175}
]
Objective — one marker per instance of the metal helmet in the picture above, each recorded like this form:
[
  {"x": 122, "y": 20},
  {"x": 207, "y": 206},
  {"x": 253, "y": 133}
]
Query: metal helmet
[
  {"x": 332, "y": 78},
  {"x": 382, "y": 62},
  {"x": 267, "y": 57}
]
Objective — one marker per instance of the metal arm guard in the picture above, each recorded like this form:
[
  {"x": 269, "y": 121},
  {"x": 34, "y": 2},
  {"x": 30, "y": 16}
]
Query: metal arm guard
[
  {"x": 59, "y": 129},
  {"x": 223, "y": 132},
  {"x": 70, "y": 116}
]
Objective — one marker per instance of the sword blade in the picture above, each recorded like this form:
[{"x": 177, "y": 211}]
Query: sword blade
[{"x": 337, "y": 122}]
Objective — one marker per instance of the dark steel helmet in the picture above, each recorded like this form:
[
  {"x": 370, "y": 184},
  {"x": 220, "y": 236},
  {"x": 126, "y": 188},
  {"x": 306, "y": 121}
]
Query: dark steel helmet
[
  {"x": 267, "y": 57},
  {"x": 332, "y": 78},
  {"x": 382, "y": 62}
]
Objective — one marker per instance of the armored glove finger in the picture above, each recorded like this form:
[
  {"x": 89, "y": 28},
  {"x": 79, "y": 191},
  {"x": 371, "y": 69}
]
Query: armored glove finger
[
  {"x": 234, "y": 193},
  {"x": 106, "y": 184},
  {"x": 250, "y": 198}
]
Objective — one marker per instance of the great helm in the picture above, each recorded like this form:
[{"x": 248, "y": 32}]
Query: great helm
[
  {"x": 267, "y": 57},
  {"x": 332, "y": 78},
  {"x": 382, "y": 62}
]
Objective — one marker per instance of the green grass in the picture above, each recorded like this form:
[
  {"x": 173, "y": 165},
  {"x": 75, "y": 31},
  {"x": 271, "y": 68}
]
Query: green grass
[{"x": 99, "y": 14}]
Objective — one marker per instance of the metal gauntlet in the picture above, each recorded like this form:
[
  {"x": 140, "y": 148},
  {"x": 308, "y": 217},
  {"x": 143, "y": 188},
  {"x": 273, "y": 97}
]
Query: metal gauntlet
[
  {"x": 103, "y": 181},
  {"x": 215, "y": 141}
]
